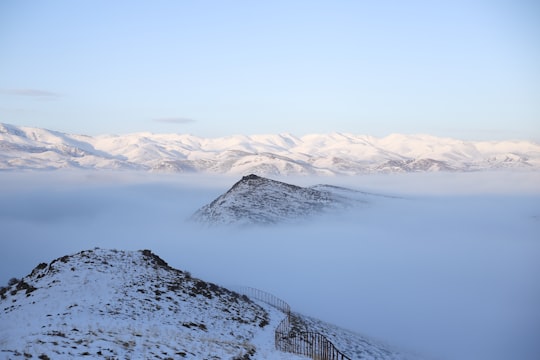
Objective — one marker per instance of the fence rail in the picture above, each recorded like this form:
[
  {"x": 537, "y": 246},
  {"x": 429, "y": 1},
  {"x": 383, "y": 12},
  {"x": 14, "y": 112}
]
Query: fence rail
[
  {"x": 308, "y": 343},
  {"x": 267, "y": 298},
  {"x": 287, "y": 339}
]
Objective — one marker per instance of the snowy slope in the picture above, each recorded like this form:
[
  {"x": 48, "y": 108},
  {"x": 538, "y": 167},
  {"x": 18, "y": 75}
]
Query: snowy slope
[
  {"x": 118, "y": 304},
  {"x": 131, "y": 305},
  {"x": 258, "y": 200},
  {"x": 281, "y": 154},
  {"x": 352, "y": 344}
]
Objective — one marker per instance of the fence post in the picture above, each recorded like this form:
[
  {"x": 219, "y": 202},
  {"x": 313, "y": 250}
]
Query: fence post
[{"x": 314, "y": 345}]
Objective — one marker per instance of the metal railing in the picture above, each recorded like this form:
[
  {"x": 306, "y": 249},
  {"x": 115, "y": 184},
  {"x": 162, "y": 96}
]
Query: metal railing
[
  {"x": 267, "y": 298},
  {"x": 288, "y": 339}
]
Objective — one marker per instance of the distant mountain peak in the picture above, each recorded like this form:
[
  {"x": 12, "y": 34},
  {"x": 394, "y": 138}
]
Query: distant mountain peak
[
  {"x": 268, "y": 155},
  {"x": 258, "y": 200}
]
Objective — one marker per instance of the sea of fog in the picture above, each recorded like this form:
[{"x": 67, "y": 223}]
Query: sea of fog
[{"x": 448, "y": 265}]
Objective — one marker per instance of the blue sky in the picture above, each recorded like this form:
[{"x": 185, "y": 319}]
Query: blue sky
[{"x": 465, "y": 69}]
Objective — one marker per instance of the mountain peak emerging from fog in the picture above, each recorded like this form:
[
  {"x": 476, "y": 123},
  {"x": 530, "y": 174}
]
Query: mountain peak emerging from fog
[
  {"x": 258, "y": 200},
  {"x": 315, "y": 154}
]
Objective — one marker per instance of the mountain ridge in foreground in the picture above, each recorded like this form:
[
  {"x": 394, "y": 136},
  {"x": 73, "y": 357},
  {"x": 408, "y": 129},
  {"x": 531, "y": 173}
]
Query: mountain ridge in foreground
[
  {"x": 278, "y": 154},
  {"x": 110, "y": 304}
]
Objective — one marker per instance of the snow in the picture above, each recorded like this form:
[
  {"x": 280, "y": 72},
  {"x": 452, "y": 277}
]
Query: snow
[
  {"x": 108, "y": 303},
  {"x": 354, "y": 345},
  {"x": 131, "y": 304},
  {"x": 446, "y": 266},
  {"x": 271, "y": 154},
  {"x": 261, "y": 201}
]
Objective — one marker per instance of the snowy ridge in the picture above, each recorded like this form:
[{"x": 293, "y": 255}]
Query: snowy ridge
[
  {"x": 261, "y": 201},
  {"x": 283, "y": 154},
  {"x": 120, "y": 304},
  {"x": 132, "y": 304}
]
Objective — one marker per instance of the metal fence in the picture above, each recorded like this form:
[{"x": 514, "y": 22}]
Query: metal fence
[
  {"x": 287, "y": 339},
  {"x": 307, "y": 343},
  {"x": 267, "y": 298}
]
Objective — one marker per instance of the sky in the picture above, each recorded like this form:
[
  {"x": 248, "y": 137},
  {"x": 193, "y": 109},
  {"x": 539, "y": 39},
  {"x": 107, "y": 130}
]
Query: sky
[{"x": 464, "y": 69}]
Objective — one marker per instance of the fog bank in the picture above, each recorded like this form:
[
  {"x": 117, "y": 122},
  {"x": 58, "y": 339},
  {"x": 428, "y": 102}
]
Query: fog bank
[{"x": 447, "y": 266}]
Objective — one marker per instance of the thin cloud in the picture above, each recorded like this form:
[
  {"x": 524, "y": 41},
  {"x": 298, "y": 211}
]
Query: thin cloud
[
  {"x": 36, "y": 93},
  {"x": 174, "y": 120}
]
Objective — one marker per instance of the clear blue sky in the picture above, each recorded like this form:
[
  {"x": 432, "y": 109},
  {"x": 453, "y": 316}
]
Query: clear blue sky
[{"x": 466, "y": 69}]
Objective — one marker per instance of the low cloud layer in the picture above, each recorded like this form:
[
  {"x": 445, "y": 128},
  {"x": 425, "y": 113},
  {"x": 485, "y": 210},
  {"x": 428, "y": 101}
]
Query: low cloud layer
[{"x": 449, "y": 275}]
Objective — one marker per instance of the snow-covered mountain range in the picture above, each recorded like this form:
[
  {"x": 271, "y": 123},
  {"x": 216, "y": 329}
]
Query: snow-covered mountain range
[
  {"x": 255, "y": 200},
  {"x": 283, "y": 154},
  {"x": 110, "y": 304}
]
